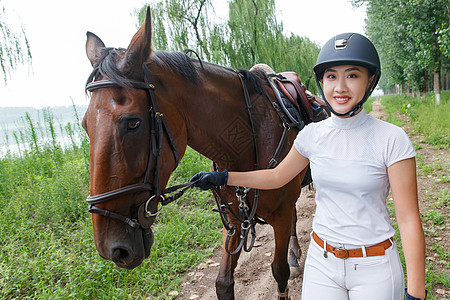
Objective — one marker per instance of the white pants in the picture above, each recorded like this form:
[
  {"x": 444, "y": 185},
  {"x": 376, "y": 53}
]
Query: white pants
[{"x": 354, "y": 278}]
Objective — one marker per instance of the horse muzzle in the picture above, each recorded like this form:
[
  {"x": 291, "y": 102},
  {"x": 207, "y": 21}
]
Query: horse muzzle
[{"x": 129, "y": 252}]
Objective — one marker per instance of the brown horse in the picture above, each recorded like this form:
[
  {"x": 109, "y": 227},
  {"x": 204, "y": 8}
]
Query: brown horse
[{"x": 145, "y": 108}]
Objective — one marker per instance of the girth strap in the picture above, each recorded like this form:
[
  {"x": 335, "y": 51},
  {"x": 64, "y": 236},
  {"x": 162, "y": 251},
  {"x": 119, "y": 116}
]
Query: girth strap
[{"x": 247, "y": 217}]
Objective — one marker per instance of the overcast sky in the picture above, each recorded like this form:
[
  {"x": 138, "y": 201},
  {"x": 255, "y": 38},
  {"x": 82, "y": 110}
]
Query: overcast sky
[{"x": 56, "y": 30}]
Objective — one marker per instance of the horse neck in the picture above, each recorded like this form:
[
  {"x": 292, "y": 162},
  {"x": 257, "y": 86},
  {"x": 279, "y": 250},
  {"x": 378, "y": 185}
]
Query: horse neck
[
  {"x": 217, "y": 120},
  {"x": 222, "y": 130}
]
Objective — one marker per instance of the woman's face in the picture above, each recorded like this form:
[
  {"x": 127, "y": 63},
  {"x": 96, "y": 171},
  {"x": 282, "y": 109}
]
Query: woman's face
[{"x": 344, "y": 86}]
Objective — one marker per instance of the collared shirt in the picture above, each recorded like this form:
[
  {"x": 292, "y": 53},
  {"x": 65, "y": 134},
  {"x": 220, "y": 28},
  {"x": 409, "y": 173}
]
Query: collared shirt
[{"x": 349, "y": 158}]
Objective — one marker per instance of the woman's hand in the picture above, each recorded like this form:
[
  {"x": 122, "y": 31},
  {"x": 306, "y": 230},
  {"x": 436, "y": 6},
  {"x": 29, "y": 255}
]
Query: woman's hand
[
  {"x": 409, "y": 297},
  {"x": 206, "y": 180}
]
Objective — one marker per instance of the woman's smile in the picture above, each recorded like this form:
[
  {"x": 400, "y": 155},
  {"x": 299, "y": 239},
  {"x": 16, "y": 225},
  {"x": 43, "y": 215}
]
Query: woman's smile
[
  {"x": 344, "y": 86},
  {"x": 342, "y": 99}
]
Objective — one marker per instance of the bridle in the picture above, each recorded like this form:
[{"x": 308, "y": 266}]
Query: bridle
[{"x": 158, "y": 126}]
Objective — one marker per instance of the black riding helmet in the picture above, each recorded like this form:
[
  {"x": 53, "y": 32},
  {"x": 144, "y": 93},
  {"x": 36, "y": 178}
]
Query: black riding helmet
[{"x": 348, "y": 49}]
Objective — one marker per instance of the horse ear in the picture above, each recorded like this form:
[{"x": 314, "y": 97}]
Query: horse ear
[
  {"x": 93, "y": 46},
  {"x": 140, "y": 46}
]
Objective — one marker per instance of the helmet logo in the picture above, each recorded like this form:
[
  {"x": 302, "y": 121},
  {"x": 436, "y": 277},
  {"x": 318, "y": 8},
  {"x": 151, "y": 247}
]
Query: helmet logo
[{"x": 340, "y": 44}]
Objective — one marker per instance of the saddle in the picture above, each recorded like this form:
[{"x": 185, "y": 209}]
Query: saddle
[{"x": 299, "y": 104}]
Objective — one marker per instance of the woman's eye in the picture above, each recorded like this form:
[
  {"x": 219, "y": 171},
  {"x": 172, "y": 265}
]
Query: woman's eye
[{"x": 133, "y": 124}]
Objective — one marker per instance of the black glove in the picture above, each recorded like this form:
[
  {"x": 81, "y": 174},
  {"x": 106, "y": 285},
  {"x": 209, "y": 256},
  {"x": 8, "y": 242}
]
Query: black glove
[
  {"x": 206, "y": 180},
  {"x": 409, "y": 297}
]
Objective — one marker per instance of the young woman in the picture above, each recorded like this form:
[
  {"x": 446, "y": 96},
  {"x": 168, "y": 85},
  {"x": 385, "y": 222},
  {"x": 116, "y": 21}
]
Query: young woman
[{"x": 354, "y": 159}]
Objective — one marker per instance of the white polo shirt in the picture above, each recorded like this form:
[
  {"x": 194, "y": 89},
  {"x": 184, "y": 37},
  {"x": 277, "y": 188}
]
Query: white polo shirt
[{"x": 349, "y": 159}]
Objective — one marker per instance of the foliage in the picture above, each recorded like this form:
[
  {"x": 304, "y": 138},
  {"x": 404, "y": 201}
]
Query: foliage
[
  {"x": 254, "y": 33},
  {"x": 251, "y": 34},
  {"x": 428, "y": 119},
  {"x": 404, "y": 32},
  {"x": 14, "y": 46},
  {"x": 47, "y": 249},
  {"x": 443, "y": 35}
]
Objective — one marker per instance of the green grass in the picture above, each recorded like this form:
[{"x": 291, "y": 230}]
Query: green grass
[
  {"x": 368, "y": 104},
  {"x": 433, "y": 123},
  {"x": 427, "y": 118},
  {"x": 47, "y": 247}
]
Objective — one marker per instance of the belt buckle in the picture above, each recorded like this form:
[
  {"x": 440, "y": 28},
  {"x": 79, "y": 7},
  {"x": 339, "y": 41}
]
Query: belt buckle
[{"x": 341, "y": 250}]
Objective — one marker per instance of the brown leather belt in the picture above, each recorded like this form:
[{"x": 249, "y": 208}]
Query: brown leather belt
[{"x": 374, "y": 250}]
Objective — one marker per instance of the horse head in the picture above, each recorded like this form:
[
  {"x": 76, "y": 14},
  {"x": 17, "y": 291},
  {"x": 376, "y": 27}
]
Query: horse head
[{"x": 129, "y": 165}]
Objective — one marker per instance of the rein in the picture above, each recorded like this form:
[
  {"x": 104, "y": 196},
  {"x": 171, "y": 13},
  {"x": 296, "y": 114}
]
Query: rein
[{"x": 158, "y": 127}]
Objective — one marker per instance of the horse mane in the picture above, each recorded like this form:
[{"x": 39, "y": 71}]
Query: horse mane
[
  {"x": 181, "y": 63},
  {"x": 256, "y": 79},
  {"x": 106, "y": 67},
  {"x": 177, "y": 62}
]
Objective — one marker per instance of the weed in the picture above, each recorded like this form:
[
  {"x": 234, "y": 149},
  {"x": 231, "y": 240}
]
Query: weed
[
  {"x": 442, "y": 254},
  {"x": 368, "y": 104},
  {"x": 443, "y": 199},
  {"x": 46, "y": 233},
  {"x": 435, "y": 217},
  {"x": 393, "y": 119},
  {"x": 427, "y": 118}
]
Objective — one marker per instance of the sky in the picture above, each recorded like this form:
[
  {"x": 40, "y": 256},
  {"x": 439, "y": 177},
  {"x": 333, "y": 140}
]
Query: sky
[{"x": 56, "y": 30}]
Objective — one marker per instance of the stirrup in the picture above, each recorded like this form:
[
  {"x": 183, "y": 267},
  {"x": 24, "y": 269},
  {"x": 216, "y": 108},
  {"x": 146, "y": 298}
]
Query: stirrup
[{"x": 285, "y": 294}]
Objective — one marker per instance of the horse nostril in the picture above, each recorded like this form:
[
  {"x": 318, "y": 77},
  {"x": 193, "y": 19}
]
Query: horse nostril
[{"x": 120, "y": 254}]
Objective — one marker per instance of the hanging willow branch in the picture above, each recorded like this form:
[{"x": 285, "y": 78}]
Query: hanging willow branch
[{"x": 12, "y": 47}]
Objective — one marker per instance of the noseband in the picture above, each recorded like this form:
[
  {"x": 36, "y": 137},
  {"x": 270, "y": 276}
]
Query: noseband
[{"x": 158, "y": 127}]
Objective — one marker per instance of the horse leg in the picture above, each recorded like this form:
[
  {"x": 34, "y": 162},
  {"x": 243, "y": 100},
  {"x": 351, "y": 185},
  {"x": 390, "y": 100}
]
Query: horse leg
[
  {"x": 280, "y": 266},
  {"x": 294, "y": 249},
  {"x": 225, "y": 278}
]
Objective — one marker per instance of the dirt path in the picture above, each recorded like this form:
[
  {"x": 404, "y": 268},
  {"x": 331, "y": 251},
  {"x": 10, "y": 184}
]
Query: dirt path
[{"x": 253, "y": 276}]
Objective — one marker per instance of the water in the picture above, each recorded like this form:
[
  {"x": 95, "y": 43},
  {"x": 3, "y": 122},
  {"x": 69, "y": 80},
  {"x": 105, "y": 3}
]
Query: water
[{"x": 17, "y": 131}]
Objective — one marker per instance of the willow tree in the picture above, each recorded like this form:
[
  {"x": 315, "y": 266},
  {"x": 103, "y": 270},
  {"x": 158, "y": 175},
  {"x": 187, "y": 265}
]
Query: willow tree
[
  {"x": 14, "y": 46},
  {"x": 255, "y": 35},
  {"x": 251, "y": 34},
  {"x": 300, "y": 55},
  {"x": 182, "y": 24}
]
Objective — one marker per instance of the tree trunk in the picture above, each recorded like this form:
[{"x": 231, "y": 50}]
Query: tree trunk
[{"x": 437, "y": 86}]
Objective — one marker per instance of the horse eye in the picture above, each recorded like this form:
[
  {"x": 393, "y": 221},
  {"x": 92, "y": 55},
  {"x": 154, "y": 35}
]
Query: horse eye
[{"x": 133, "y": 124}]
